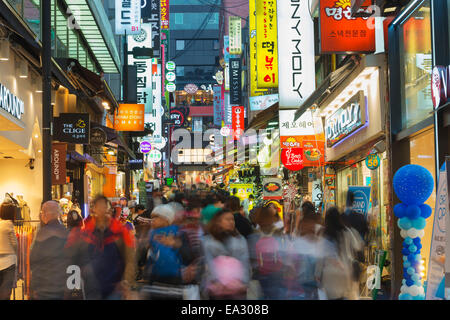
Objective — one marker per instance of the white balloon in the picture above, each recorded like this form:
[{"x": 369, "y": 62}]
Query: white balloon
[
  {"x": 412, "y": 233},
  {"x": 404, "y": 289},
  {"x": 404, "y": 234},
  {"x": 415, "y": 290},
  {"x": 421, "y": 233}
]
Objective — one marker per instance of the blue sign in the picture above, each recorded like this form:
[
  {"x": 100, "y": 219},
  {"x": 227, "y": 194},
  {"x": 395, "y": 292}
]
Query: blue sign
[
  {"x": 373, "y": 161},
  {"x": 362, "y": 199},
  {"x": 218, "y": 117}
]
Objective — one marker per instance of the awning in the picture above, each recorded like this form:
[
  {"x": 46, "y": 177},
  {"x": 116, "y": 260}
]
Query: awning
[
  {"x": 87, "y": 81},
  {"x": 328, "y": 85},
  {"x": 85, "y": 158},
  {"x": 201, "y": 111},
  {"x": 262, "y": 118}
]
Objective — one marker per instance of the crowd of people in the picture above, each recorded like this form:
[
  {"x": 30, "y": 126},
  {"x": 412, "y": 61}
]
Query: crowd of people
[{"x": 188, "y": 244}]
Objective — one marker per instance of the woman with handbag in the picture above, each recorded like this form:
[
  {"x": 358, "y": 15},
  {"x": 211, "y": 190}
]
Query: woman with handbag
[
  {"x": 227, "y": 259},
  {"x": 8, "y": 250}
]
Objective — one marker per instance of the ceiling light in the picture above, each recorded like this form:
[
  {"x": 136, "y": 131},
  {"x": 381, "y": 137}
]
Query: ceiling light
[
  {"x": 23, "y": 69},
  {"x": 111, "y": 152},
  {"x": 39, "y": 150},
  {"x": 39, "y": 91},
  {"x": 36, "y": 136},
  {"x": 106, "y": 105}
]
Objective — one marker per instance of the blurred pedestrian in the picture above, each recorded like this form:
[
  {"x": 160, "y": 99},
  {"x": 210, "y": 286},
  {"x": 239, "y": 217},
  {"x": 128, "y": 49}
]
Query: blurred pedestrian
[
  {"x": 266, "y": 255},
  {"x": 227, "y": 259},
  {"x": 106, "y": 253},
  {"x": 243, "y": 225},
  {"x": 48, "y": 258},
  {"x": 8, "y": 250}
]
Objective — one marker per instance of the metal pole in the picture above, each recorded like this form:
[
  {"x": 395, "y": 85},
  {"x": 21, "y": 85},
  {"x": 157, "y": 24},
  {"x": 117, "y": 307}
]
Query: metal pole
[{"x": 47, "y": 110}]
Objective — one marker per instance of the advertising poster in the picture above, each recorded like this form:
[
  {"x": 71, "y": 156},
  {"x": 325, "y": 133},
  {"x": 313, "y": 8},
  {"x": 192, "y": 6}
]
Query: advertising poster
[
  {"x": 260, "y": 103},
  {"x": 254, "y": 90},
  {"x": 130, "y": 117},
  {"x": 235, "y": 26},
  {"x": 241, "y": 190},
  {"x": 272, "y": 189},
  {"x": 436, "y": 261},
  {"x": 266, "y": 44},
  {"x": 362, "y": 199}
]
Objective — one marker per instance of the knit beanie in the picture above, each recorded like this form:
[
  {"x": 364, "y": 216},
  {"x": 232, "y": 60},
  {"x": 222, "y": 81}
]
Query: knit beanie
[{"x": 165, "y": 211}]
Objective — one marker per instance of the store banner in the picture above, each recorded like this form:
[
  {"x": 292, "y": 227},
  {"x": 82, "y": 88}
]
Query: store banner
[
  {"x": 293, "y": 132},
  {"x": 164, "y": 14},
  {"x": 235, "y": 34},
  {"x": 346, "y": 120},
  {"x": 144, "y": 66},
  {"x": 128, "y": 17},
  {"x": 238, "y": 121},
  {"x": 362, "y": 199},
  {"x": 235, "y": 81},
  {"x": 58, "y": 159},
  {"x": 217, "y": 93},
  {"x": 292, "y": 158},
  {"x": 436, "y": 266},
  {"x": 150, "y": 13},
  {"x": 317, "y": 193},
  {"x": 228, "y": 112},
  {"x": 340, "y": 33},
  {"x": 241, "y": 190},
  {"x": 129, "y": 117},
  {"x": 260, "y": 103},
  {"x": 254, "y": 91},
  {"x": 72, "y": 128},
  {"x": 296, "y": 60},
  {"x": 272, "y": 189},
  {"x": 142, "y": 193},
  {"x": 226, "y": 56},
  {"x": 266, "y": 43},
  {"x": 138, "y": 163},
  {"x": 154, "y": 118}
]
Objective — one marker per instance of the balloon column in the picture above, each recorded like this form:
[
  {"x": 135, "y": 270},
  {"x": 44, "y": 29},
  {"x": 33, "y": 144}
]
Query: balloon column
[{"x": 413, "y": 185}]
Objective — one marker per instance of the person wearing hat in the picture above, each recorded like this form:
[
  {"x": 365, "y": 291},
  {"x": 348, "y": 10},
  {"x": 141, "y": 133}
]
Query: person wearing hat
[{"x": 168, "y": 249}]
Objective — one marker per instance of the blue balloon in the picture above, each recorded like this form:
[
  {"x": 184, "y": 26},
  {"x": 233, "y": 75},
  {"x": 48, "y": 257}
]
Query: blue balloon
[
  {"x": 413, "y": 212},
  {"x": 404, "y": 296},
  {"x": 419, "y": 246},
  {"x": 408, "y": 241},
  {"x": 413, "y": 184},
  {"x": 410, "y": 271},
  {"x": 409, "y": 282},
  {"x": 404, "y": 223},
  {"x": 415, "y": 277},
  {"x": 405, "y": 251},
  {"x": 412, "y": 257},
  {"x": 418, "y": 283},
  {"x": 412, "y": 248},
  {"x": 419, "y": 223},
  {"x": 405, "y": 258},
  {"x": 406, "y": 264},
  {"x": 403, "y": 281},
  {"x": 416, "y": 241},
  {"x": 400, "y": 210},
  {"x": 425, "y": 211}
]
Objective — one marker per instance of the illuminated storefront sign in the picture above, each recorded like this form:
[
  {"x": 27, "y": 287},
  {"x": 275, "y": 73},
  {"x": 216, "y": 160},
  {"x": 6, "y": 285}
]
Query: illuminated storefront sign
[
  {"x": 128, "y": 17},
  {"x": 10, "y": 103}
]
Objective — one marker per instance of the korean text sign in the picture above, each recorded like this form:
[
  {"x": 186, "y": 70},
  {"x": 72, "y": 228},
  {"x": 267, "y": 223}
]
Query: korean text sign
[
  {"x": 235, "y": 35},
  {"x": 129, "y": 117},
  {"x": 340, "y": 32},
  {"x": 238, "y": 121},
  {"x": 266, "y": 43},
  {"x": 254, "y": 91},
  {"x": 128, "y": 16},
  {"x": 164, "y": 14},
  {"x": 151, "y": 13}
]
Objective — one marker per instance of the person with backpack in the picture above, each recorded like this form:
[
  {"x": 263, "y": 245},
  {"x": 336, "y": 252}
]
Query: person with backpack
[
  {"x": 243, "y": 225},
  {"x": 335, "y": 269},
  {"x": 226, "y": 258},
  {"x": 169, "y": 253},
  {"x": 266, "y": 255}
]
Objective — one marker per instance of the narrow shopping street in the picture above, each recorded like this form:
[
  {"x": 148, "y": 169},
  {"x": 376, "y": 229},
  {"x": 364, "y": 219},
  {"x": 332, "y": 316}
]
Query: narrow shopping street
[{"x": 251, "y": 150}]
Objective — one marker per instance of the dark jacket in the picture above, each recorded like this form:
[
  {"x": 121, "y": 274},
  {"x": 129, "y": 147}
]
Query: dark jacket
[
  {"x": 243, "y": 225},
  {"x": 48, "y": 262},
  {"x": 106, "y": 257}
]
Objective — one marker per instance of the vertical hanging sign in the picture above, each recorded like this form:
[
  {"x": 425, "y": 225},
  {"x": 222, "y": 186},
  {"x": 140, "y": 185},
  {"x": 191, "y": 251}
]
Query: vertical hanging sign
[
  {"x": 164, "y": 14},
  {"x": 238, "y": 121},
  {"x": 296, "y": 60},
  {"x": 235, "y": 81},
  {"x": 217, "y": 92},
  {"x": 58, "y": 163},
  {"x": 144, "y": 66},
  {"x": 128, "y": 17},
  {"x": 151, "y": 13},
  {"x": 235, "y": 26},
  {"x": 266, "y": 43}
]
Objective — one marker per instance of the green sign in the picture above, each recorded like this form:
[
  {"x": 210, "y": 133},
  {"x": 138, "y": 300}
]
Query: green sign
[
  {"x": 373, "y": 161},
  {"x": 169, "y": 181}
]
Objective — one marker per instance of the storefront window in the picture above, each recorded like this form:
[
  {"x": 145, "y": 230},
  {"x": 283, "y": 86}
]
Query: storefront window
[
  {"x": 415, "y": 44},
  {"x": 422, "y": 153}
]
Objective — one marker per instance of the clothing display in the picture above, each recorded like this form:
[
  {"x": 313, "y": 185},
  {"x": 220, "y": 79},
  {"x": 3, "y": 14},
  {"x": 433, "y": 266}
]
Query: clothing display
[{"x": 25, "y": 236}]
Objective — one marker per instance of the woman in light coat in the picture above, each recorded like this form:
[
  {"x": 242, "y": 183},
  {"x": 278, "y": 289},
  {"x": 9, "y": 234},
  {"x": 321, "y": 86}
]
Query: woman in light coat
[{"x": 8, "y": 250}]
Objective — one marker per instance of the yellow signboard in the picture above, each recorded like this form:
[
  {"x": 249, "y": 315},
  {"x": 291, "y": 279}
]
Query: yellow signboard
[
  {"x": 254, "y": 91},
  {"x": 266, "y": 43},
  {"x": 243, "y": 191}
]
